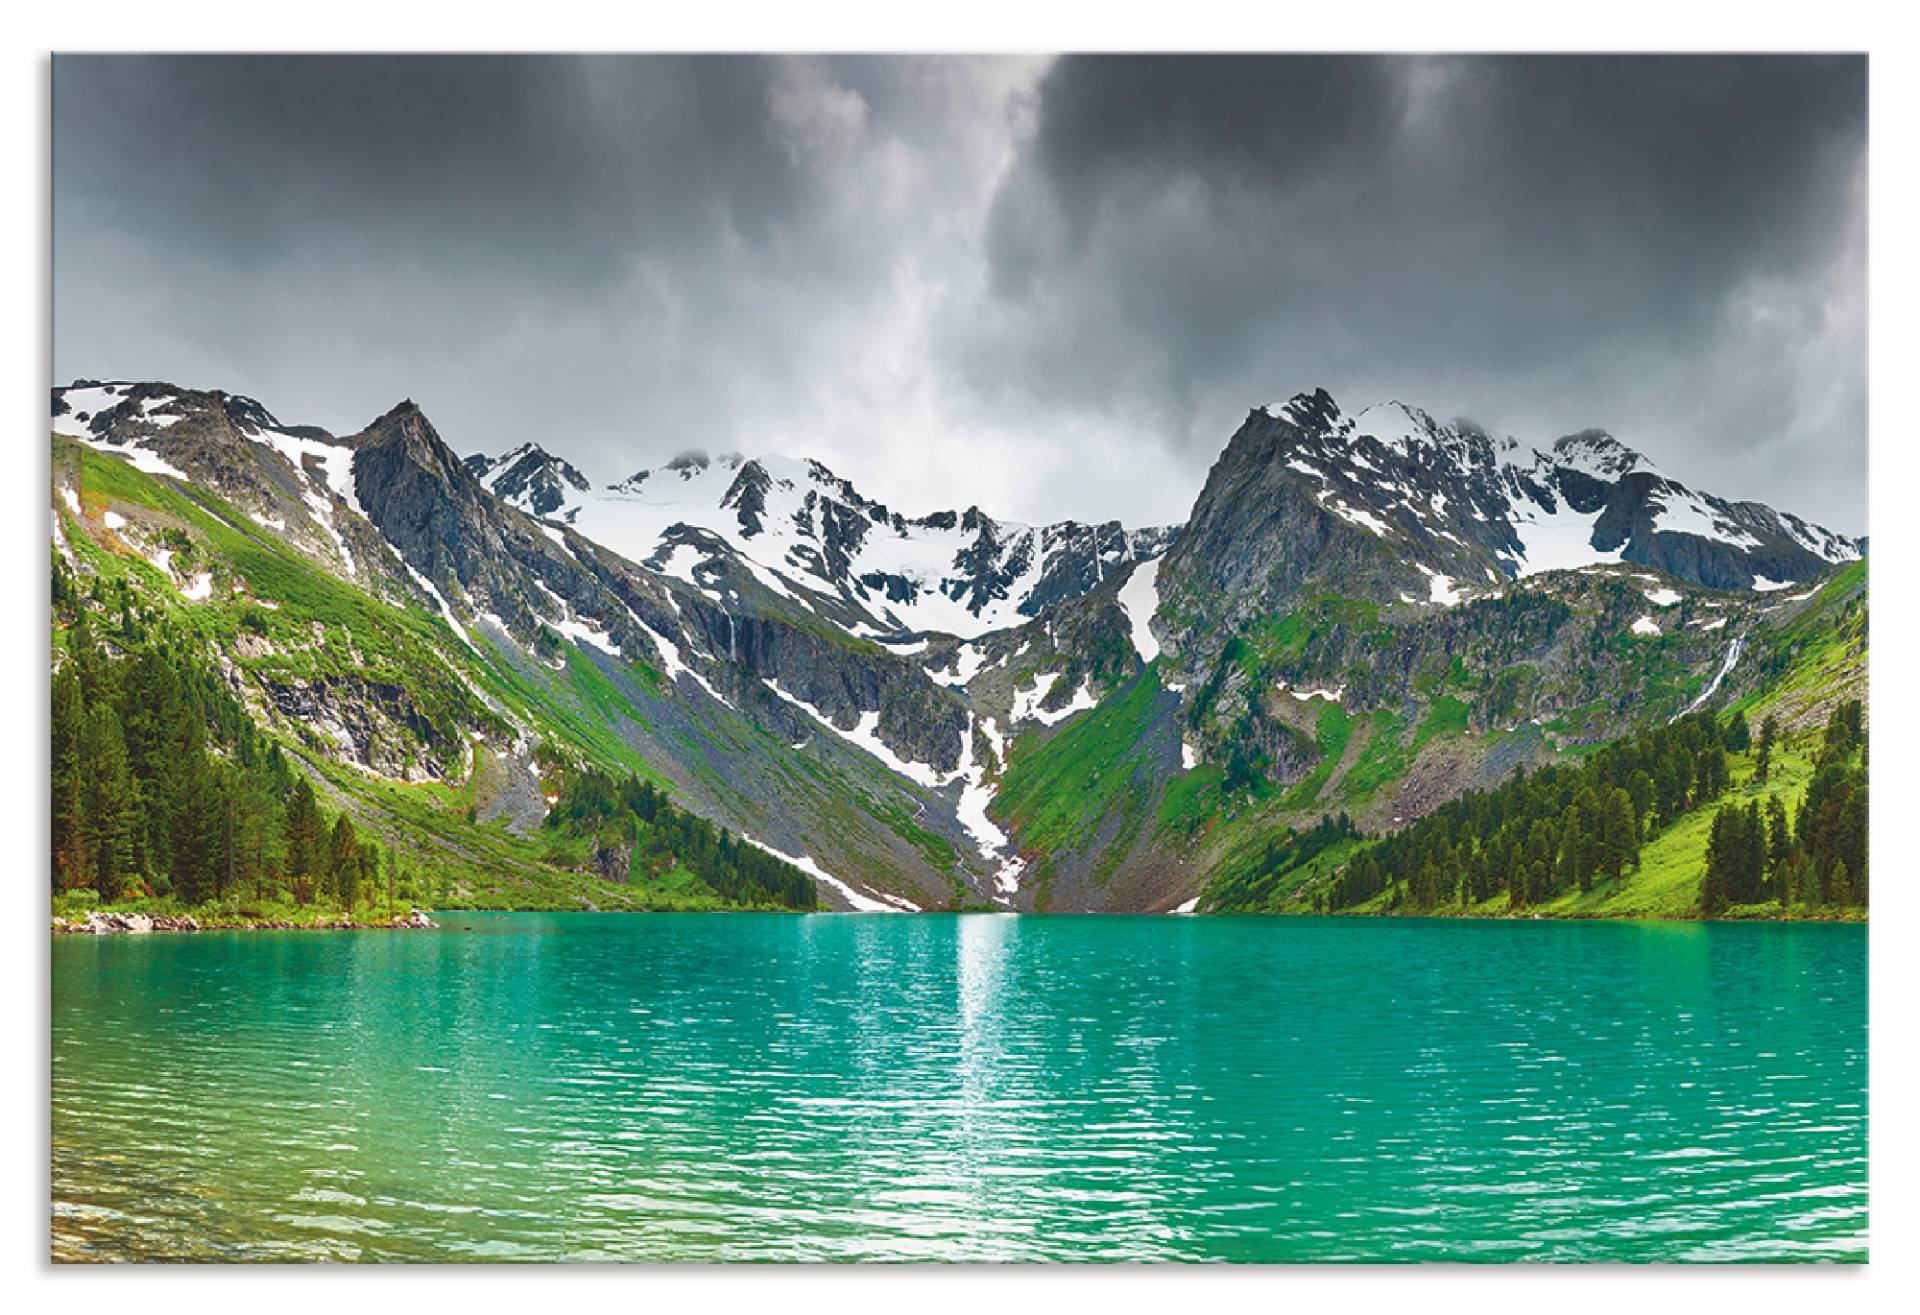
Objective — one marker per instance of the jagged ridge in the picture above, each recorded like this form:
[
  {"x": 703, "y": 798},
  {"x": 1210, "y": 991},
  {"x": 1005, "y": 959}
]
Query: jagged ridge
[{"x": 1347, "y": 555}]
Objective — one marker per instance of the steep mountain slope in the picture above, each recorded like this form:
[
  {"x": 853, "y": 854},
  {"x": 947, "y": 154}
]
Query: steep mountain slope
[
  {"x": 295, "y": 481},
  {"x": 1508, "y": 852},
  {"x": 948, "y": 710},
  {"x": 1376, "y": 624},
  {"x": 1389, "y": 505},
  {"x": 1338, "y": 704}
]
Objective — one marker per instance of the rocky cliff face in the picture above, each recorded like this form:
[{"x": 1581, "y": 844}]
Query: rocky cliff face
[{"x": 1394, "y": 507}]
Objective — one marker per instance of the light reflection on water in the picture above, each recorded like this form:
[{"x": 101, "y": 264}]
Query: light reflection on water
[{"x": 982, "y": 1087}]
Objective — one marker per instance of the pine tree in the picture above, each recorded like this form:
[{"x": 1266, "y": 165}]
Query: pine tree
[
  {"x": 304, "y": 857},
  {"x": 68, "y": 811},
  {"x": 198, "y": 817},
  {"x": 1793, "y": 880},
  {"x": 1640, "y": 788},
  {"x": 106, "y": 802},
  {"x": 163, "y": 741},
  {"x": 1753, "y": 856},
  {"x": 1842, "y": 733},
  {"x": 1576, "y": 864},
  {"x": 1763, "y": 758},
  {"x": 226, "y": 866},
  {"x": 1670, "y": 788},
  {"x": 1840, "y": 886},
  {"x": 1737, "y": 737},
  {"x": 1853, "y": 839},
  {"x": 1780, "y": 838},
  {"x": 1710, "y": 774},
  {"x": 368, "y": 881},
  {"x": 1619, "y": 842},
  {"x": 1723, "y": 844},
  {"x": 343, "y": 863},
  {"x": 259, "y": 833}
]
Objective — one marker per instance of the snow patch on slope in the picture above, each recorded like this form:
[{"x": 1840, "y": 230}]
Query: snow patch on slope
[
  {"x": 1140, "y": 599},
  {"x": 1557, "y": 540},
  {"x": 1439, "y": 587},
  {"x": 1682, "y": 512},
  {"x": 975, "y": 795},
  {"x": 1026, "y": 702},
  {"x": 865, "y": 735},
  {"x": 861, "y": 901},
  {"x": 968, "y": 662},
  {"x": 87, "y": 401}
]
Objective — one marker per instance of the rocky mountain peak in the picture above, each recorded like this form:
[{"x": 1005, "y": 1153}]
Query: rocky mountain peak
[
  {"x": 1392, "y": 504},
  {"x": 405, "y": 430},
  {"x": 530, "y": 478},
  {"x": 1314, "y": 410},
  {"x": 1596, "y": 452}
]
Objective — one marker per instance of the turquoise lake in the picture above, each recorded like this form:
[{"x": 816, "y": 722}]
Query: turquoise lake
[{"x": 974, "y": 1087}]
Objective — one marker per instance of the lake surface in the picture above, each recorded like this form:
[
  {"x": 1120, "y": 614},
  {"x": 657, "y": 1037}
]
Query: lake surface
[{"x": 866, "y": 1087}]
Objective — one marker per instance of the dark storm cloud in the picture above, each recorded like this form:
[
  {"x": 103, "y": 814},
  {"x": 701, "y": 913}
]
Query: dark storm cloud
[
  {"x": 404, "y": 214},
  {"x": 1670, "y": 248},
  {"x": 956, "y": 279}
]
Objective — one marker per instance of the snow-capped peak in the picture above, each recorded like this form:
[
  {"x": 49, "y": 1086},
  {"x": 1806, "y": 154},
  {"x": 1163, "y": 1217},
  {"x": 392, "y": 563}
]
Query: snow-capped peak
[
  {"x": 808, "y": 535},
  {"x": 1397, "y": 425},
  {"x": 1596, "y": 452},
  {"x": 532, "y": 479},
  {"x": 1316, "y": 408},
  {"x": 1493, "y": 507}
]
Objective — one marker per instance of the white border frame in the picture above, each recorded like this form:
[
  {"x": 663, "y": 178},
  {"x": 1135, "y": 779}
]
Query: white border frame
[{"x": 1894, "y": 469}]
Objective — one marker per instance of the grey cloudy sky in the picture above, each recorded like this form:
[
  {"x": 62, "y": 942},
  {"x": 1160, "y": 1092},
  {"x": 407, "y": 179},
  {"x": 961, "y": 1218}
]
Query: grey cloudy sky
[{"x": 1050, "y": 287}]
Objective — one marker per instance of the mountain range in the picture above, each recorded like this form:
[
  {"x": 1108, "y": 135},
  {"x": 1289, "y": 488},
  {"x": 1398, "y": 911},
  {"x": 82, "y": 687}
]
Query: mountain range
[{"x": 1368, "y": 612}]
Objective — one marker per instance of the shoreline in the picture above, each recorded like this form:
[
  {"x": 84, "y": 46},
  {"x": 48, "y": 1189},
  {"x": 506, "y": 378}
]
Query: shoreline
[
  {"x": 1440, "y": 915},
  {"x": 109, "y": 923},
  {"x": 96, "y": 922}
]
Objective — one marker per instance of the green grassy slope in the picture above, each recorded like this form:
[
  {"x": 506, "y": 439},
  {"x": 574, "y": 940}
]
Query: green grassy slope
[
  {"x": 1091, "y": 784},
  {"x": 279, "y": 621},
  {"x": 1804, "y": 668}
]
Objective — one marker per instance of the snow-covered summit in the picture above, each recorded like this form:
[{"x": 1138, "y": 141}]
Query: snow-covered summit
[
  {"x": 530, "y": 478},
  {"x": 1471, "y": 505},
  {"x": 1596, "y": 452},
  {"x": 809, "y": 534}
]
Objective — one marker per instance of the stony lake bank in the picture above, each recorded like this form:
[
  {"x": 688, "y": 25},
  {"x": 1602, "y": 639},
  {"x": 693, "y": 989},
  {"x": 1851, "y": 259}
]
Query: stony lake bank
[{"x": 105, "y": 923}]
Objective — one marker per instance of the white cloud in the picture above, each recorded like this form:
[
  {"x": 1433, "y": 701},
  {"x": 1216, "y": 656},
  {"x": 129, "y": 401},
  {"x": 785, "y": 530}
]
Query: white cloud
[{"x": 817, "y": 120}]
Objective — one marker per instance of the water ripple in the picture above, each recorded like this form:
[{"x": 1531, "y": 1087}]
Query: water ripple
[{"x": 610, "y": 1087}]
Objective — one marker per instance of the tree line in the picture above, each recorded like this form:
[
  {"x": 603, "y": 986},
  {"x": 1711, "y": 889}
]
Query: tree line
[{"x": 633, "y": 816}]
